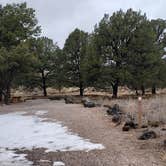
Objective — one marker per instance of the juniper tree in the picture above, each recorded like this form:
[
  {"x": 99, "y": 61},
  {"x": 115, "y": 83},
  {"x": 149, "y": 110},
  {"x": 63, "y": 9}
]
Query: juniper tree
[
  {"x": 18, "y": 23},
  {"x": 113, "y": 36},
  {"x": 75, "y": 53}
]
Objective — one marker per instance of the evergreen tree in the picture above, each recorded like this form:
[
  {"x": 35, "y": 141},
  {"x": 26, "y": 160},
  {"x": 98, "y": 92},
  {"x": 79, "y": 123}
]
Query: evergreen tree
[
  {"x": 75, "y": 53},
  {"x": 113, "y": 36},
  {"x": 142, "y": 62},
  {"x": 18, "y": 23}
]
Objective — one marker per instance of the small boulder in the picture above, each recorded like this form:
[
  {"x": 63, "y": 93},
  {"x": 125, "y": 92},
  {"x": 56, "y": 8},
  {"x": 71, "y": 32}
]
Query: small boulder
[
  {"x": 165, "y": 143},
  {"x": 126, "y": 128},
  {"x": 131, "y": 124},
  {"x": 88, "y": 103},
  {"x": 116, "y": 118},
  {"x": 148, "y": 135},
  {"x": 68, "y": 100},
  {"x": 144, "y": 126},
  {"x": 114, "y": 110}
]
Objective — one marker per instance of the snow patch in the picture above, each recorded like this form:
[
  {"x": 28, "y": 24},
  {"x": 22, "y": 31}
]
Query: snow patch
[
  {"x": 41, "y": 112},
  {"x": 9, "y": 158},
  {"x": 28, "y": 132},
  {"x": 58, "y": 163}
]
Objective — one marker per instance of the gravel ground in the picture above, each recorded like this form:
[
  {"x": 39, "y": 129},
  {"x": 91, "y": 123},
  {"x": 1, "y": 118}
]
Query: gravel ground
[{"x": 121, "y": 149}]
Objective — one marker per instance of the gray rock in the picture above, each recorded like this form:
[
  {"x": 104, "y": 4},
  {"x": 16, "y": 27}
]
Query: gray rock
[
  {"x": 114, "y": 110},
  {"x": 116, "y": 118},
  {"x": 69, "y": 100},
  {"x": 88, "y": 103},
  {"x": 131, "y": 124},
  {"x": 148, "y": 135}
]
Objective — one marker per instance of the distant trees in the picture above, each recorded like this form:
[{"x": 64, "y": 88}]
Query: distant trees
[{"x": 125, "y": 49}]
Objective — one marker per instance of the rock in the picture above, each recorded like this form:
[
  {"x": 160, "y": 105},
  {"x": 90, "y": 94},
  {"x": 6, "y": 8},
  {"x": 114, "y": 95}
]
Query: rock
[
  {"x": 163, "y": 129},
  {"x": 126, "y": 128},
  {"x": 114, "y": 110},
  {"x": 88, "y": 103},
  {"x": 131, "y": 124},
  {"x": 116, "y": 118},
  {"x": 148, "y": 135},
  {"x": 68, "y": 100},
  {"x": 144, "y": 126},
  {"x": 165, "y": 143}
]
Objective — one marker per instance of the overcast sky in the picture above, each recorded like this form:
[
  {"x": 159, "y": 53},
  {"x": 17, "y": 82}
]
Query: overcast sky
[{"x": 60, "y": 17}]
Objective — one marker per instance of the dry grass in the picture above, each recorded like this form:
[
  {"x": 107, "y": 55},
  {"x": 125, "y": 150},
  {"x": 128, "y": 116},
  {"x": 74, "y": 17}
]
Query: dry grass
[
  {"x": 153, "y": 109},
  {"x": 163, "y": 156}
]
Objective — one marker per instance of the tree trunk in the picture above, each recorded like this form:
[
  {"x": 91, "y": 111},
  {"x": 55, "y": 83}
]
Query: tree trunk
[
  {"x": 115, "y": 89},
  {"x": 153, "y": 89},
  {"x": 136, "y": 91},
  {"x": 7, "y": 95},
  {"x": 81, "y": 89},
  {"x": 59, "y": 89},
  {"x": 0, "y": 96},
  {"x": 143, "y": 90},
  {"x": 44, "y": 84}
]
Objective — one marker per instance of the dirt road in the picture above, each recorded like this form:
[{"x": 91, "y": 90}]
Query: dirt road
[{"x": 121, "y": 149}]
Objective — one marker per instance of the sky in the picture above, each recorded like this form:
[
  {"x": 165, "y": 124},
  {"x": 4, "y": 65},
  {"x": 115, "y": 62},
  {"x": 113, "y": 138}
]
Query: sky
[{"x": 58, "y": 18}]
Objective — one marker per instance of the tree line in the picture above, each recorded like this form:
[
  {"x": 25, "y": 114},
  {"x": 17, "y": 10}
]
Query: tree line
[{"x": 124, "y": 49}]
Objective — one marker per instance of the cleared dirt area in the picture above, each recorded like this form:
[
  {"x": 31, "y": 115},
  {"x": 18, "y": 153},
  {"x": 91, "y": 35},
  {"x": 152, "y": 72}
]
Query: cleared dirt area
[{"x": 121, "y": 148}]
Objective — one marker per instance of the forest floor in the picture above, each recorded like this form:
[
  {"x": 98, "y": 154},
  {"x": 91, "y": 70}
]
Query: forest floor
[{"x": 100, "y": 142}]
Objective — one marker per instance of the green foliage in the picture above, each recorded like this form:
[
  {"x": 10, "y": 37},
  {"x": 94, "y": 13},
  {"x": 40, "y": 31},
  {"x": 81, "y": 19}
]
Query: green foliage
[
  {"x": 92, "y": 64},
  {"x": 124, "y": 49},
  {"x": 112, "y": 37},
  {"x": 75, "y": 53},
  {"x": 144, "y": 58},
  {"x": 159, "y": 26},
  {"x": 47, "y": 54},
  {"x": 57, "y": 78},
  {"x": 18, "y": 23}
]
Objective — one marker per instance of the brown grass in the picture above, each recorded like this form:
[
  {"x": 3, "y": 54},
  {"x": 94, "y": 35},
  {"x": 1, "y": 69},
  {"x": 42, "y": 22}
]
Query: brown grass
[{"x": 153, "y": 109}]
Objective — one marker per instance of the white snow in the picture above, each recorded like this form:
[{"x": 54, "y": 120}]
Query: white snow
[
  {"x": 20, "y": 131},
  {"x": 58, "y": 163},
  {"x": 9, "y": 158},
  {"x": 41, "y": 112}
]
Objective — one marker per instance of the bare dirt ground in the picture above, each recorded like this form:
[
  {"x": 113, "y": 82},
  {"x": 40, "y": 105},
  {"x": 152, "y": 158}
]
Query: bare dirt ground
[{"x": 121, "y": 149}]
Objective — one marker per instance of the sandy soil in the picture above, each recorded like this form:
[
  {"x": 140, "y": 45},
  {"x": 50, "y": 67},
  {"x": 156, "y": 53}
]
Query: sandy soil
[{"x": 121, "y": 149}]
